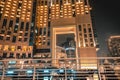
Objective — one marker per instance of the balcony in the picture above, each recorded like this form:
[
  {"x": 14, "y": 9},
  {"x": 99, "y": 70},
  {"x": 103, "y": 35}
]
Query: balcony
[{"x": 108, "y": 68}]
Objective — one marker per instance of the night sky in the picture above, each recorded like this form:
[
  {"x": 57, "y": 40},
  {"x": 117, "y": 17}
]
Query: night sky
[{"x": 106, "y": 17}]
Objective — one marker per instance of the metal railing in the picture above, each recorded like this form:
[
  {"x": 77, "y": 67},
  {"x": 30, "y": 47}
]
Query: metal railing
[{"x": 108, "y": 68}]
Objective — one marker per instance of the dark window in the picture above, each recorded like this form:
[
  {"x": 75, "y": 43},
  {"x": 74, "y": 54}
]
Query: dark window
[
  {"x": 61, "y": 4},
  {"x": 11, "y": 23},
  {"x": 91, "y": 40},
  {"x": 0, "y": 8},
  {"x": 19, "y": 5},
  {"x": 3, "y": 0},
  {"x": 26, "y": 34},
  {"x": 14, "y": 39},
  {"x": 91, "y": 45},
  {"x": 27, "y": 26},
  {"x": 25, "y": 39},
  {"x": 48, "y": 43},
  {"x": 23, "y": 55},
  {"x": 85, "y": 30},
  {"x": 18, "y": 13},
  {"x": 74, "y": 14},
  {"x": 42, "y": 3},
  {"x": 85, "y": 35},
  {"x": 20, "y": 39},
  {"x": 90, "y": 35},
  {"x": 18, "y": 55},
  {"x": 80, "y": 34},
  {"x": 0, "y": 16},
  {"x": 73, "y": 1},
  {"x": 86, "y": 45},
  {"x": 9, "y": 32},
  {"x": 40, "y": 31},
  {"x": 49, "y": 24},
  {"x": 29, "y": 55},
  {"x": 80, "y": 28},
  {"x": 45, "y": 2},
  {"x": 4, "y": 22},
  {"x": 11, "y": 55},
  {"x": 44, "y": 38},
  {"x": 1, "y": 37},
  {"x": 44, "y": 43},
  {"x": 86, "y": 40},
  {"x": 20, "y": 34},
  {"x": 85, "y": 2},
  {"x": 7, "y": 38},
  {"x": 4, "y": 55},
  {"x": 44, "y": 31},
  {"x": 42, "y": 50},
  {"x": 22, "y": 26},
  {"x": 89, "y": 29},
  {"x": 2, "y": 31},
  {"x": 15, "y": 28},
  {"x": 31, "y": 35},
  {"x": 17, "y": 20},
  {"x": 19, "y": 47},
  {"x": 48, "y": 33}
]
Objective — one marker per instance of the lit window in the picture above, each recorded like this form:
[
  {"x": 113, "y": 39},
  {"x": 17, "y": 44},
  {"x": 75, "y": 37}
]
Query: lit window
[{"x": 5, "y": 47}]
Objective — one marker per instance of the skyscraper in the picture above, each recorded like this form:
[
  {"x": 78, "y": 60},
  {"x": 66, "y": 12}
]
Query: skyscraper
[
  {"x": 50, "y": 21},
  {"x": 58, "y": 17},
  {"x": 114, "y": 46},
  {"x": 16, "y": 28},
  {"x": 56, "y": 35}
]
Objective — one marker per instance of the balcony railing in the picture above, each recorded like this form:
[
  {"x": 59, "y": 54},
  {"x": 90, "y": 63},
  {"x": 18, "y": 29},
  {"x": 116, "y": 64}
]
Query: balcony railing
[{"x": 108, "y": 68}]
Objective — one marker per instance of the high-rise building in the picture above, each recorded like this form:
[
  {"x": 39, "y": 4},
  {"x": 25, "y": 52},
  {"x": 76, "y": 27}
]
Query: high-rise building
[
  {"x": 58, "y": 17},
  {"x": 114, "y": 46},
  {"x": 56, "y": 35},
  {"x": 50, "y": 20},
  {"x": 16, "y": 25}
]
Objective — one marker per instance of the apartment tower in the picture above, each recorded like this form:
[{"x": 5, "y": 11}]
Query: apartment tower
[
  {"x": 16, "y": 28},
  {"x": 114, "y": 46},
  {"x": 59, "y": 17}
]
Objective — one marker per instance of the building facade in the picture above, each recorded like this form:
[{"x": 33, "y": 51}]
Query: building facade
[
  {"x": 114, "y": 46},
  {"x": 24, "y": 22},
  {"x": 58, "y": 17},
  {"x": 16, "y": 28}
]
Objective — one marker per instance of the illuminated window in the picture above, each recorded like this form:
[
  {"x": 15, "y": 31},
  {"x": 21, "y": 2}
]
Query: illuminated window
[
  {"x": 25, "y": 48},
  {"x": 5, "y": 47},
  {"x": 12, "y": 48}
]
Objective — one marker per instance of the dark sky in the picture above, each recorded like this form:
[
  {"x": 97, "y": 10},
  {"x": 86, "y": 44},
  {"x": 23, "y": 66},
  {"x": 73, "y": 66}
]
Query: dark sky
[{"x": 106, "y": 15}]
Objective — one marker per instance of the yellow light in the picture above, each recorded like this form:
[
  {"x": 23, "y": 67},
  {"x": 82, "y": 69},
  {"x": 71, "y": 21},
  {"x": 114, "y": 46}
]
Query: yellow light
[{"x": 12, "y": 48}]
